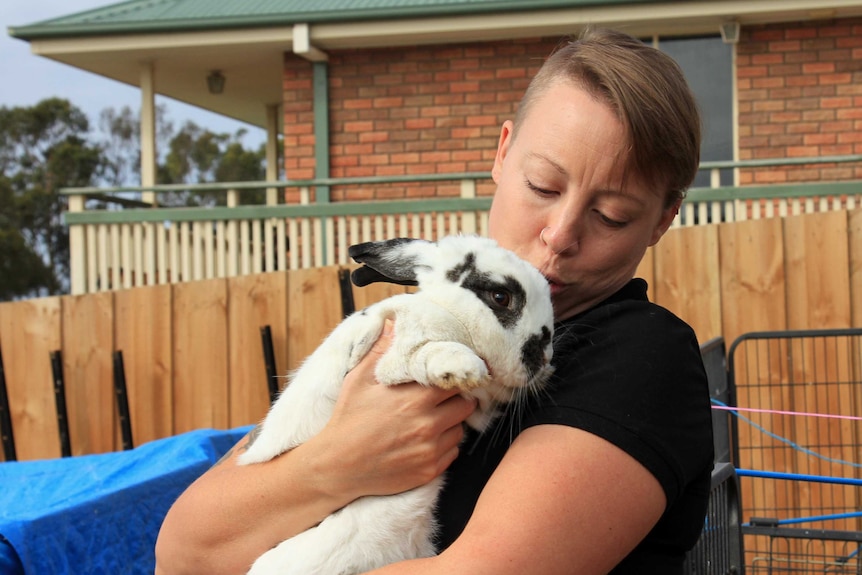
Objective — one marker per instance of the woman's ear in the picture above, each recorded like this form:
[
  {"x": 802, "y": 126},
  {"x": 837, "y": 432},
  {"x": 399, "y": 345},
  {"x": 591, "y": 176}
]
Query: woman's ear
[
  {"x": 502, "y": 149},
  {"x": 667, "y": 216}
]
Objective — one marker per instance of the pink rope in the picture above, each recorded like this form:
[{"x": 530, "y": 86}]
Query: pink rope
[{"x": 801, "y": 413}]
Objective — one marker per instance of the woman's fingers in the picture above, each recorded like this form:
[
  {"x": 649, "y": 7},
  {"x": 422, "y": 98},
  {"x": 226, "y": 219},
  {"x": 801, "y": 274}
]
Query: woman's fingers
[
  {"x": 449, "y": 447},
  {"x": 395, "y": 437}
]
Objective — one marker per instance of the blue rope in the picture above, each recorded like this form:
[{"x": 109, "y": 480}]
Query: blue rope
[
  {"x": 798, "y": 477},
  {"x": 802, "y": 477},
  {"x": 786, "y": 441},
  {"x": 816, "y": 518}
]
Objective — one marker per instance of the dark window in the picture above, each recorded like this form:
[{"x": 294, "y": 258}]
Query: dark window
[{"x": 708, "y": 67}]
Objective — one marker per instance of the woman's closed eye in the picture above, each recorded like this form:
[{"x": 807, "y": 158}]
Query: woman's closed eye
[
  {"x": 611, "y": 222},
  {"x": 606, "y": 220},
  {"x": 538, "y": 189}
]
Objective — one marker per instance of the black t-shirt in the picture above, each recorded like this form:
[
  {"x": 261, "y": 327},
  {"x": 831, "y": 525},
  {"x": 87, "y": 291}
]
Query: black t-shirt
[{"x": 628, "y": 371}]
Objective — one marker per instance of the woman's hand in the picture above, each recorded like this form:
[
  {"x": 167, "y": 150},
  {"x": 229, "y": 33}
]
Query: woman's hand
[{"x": 390, "y": 438}]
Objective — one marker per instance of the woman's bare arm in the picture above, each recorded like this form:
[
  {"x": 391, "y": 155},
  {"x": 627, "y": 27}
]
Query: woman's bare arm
[
  {"x": 380, "y": 440},
  {"x": 561, "y": 501}
]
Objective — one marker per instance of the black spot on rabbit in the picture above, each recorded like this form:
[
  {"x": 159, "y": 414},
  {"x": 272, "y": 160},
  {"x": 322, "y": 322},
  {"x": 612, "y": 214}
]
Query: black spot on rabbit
[{"x": 506, "y": 297}]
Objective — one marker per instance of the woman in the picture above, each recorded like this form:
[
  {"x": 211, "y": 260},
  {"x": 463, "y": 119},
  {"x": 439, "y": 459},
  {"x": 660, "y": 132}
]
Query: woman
[{"x": 607, "y": 472}]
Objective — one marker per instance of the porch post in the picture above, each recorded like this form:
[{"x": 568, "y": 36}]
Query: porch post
[
  {"x": 148, "y": 131},
  {"x": 274, "y": 241},
  {"x": 77, "y": 250}
]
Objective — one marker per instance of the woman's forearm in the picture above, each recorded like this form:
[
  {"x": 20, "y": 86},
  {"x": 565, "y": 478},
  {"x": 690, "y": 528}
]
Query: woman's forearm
[{"x": 234, "y": 513}]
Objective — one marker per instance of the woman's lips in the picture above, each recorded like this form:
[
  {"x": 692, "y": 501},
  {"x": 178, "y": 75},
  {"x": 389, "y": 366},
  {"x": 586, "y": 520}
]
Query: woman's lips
[{"x": 555, "y": 285}]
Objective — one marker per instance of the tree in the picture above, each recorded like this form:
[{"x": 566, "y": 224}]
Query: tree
[
  {"x": 42, "y": 149},
  {"x": 49, "y": 146},
  {"x": 120, "y": 142},
  {"x": 197, "y": 155},
  {"x": 191, "y": 155},
  {"x": 22, "y": 271}
]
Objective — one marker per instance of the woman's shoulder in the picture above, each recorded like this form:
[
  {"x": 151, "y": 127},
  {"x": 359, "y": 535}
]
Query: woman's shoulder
[
  {"x": 631, "y": 372},
  {"x": 626, "y": 320}
]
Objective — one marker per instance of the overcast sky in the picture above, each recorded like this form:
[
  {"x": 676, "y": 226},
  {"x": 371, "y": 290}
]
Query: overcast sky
[{"x": 27, "y": 79}]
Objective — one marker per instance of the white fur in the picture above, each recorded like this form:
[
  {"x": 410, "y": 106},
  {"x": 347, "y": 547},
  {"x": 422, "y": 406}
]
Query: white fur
[{"x": 445, "y": 336}]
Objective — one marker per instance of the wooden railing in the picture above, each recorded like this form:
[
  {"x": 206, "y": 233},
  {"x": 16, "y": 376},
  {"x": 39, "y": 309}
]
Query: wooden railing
[{"x": 141, "y": 245}]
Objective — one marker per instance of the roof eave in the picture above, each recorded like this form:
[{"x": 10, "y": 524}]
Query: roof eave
[{"x": 57, "y": 29}]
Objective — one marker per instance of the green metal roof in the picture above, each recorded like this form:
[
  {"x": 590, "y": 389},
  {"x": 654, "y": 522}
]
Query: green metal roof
[{"x": 142, "y": 16}]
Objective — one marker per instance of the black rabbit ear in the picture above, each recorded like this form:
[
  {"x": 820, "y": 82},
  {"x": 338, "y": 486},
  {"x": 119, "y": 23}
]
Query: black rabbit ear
[
  {"x": 365, "y": 275},
  {"x": 387, "y": 261}
]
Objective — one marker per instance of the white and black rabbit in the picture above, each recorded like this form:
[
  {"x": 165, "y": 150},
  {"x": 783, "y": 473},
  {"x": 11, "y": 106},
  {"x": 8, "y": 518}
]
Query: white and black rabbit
[{"x": 479, "y": 310}]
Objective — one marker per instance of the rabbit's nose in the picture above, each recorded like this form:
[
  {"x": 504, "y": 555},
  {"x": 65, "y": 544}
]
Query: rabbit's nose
[{"x": 534, "y": 353}]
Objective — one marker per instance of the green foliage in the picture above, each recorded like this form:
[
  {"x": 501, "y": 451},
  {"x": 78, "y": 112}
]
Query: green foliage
[
  {"x": 42, "y": 148},
  {"x": 120, "y": 131},
  {"x": 191, "y": 155},
  {"x": 197, "y": 155},
  {"x": 50, "y": 146}
]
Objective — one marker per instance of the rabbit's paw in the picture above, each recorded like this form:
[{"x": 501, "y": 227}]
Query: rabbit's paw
[{"x": 454, "y": 366}]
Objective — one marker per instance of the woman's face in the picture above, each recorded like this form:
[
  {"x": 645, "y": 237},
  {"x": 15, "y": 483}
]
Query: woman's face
[{"x": 564, "y": 170}]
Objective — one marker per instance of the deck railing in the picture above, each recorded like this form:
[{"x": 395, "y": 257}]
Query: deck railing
[{"x": 131, "y": 244}]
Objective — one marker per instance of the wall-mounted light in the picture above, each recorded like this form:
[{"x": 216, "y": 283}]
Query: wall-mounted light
[
  {"x": 215, "y": 82},
  {"x": 730, "y": 32}
]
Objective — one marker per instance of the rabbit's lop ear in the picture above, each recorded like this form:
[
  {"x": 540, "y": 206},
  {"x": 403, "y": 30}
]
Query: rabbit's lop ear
[{"x": 390, "y": 261}]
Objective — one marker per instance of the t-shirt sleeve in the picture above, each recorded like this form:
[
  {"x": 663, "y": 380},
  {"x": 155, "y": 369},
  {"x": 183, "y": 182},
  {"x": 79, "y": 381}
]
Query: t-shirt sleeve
[{"x": 632, "y": 374}]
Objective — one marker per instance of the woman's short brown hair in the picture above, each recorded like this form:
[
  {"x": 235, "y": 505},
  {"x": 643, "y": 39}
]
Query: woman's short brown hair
[{"x": 649, "y": 93}]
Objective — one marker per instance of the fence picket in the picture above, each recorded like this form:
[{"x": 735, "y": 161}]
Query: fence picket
[
  {"x": 142, "y": 324},
  {"x": 200, "y": 355},
  {"x": 87, "y": 344},
  {"x": 29, "y": 331},
  {"x": 817, "y": 270},
  {"x": 254, "y": 301},
  {"x": 685, "y": 278}
]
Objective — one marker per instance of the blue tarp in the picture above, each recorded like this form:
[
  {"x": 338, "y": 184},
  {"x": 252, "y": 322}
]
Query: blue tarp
[{"x": 98, "y": 513}]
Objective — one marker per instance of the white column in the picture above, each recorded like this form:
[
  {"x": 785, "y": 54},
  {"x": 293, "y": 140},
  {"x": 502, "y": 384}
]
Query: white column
[
  {"x": 77, "y": 250},
  {"x": 148, "y": 130},
  {"x": 274, "y": 246}
]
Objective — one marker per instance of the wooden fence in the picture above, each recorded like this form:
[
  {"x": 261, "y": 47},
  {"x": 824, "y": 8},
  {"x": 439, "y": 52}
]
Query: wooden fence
[{"x": 193, "y": 354}]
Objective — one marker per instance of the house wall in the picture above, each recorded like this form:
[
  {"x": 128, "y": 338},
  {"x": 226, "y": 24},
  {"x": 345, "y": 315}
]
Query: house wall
[
  {"x": 409, "y": 111},
  {"x": 434, "y": 109},
  {"x": 800, "y": 95}
]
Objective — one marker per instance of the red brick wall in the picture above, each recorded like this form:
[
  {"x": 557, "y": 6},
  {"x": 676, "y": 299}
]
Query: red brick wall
[
  {"x": 438, "y": 109},
  {"x": 298, "y": 98},
  {"x": 404, "y": 111},
  {"x": 800, "y": 95}
]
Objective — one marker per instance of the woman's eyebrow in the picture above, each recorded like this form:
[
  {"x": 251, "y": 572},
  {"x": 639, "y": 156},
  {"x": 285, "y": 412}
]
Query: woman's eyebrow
[
  {"x": 547, "y": 160},
  {"x": 615, "y": 192}
]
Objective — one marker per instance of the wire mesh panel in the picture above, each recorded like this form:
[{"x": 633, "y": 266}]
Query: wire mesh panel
[
  {"x": 719, "y": 549},
  {"x": 714, "y": 357},
  {"x": 792, "y": 551},
  {"x": 799, "y": 411}
]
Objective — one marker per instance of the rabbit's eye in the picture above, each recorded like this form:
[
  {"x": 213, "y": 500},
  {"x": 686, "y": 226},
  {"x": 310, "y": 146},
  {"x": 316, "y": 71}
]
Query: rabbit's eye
[
  {"x": 505, "y": 298},
  {"x": 501, "y": 298}
]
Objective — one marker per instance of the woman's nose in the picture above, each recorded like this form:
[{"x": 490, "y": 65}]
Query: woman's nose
[{"x": 559, "y": 238}]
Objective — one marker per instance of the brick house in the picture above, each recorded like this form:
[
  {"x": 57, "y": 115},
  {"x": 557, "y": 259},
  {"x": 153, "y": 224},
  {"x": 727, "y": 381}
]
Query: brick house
[
  {"x": 382, "y": 88},
  {"x": 799, "y": 94}
]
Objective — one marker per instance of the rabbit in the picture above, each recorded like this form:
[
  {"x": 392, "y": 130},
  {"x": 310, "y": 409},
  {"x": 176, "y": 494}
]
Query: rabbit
[{"x": 479, "y": 310}]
